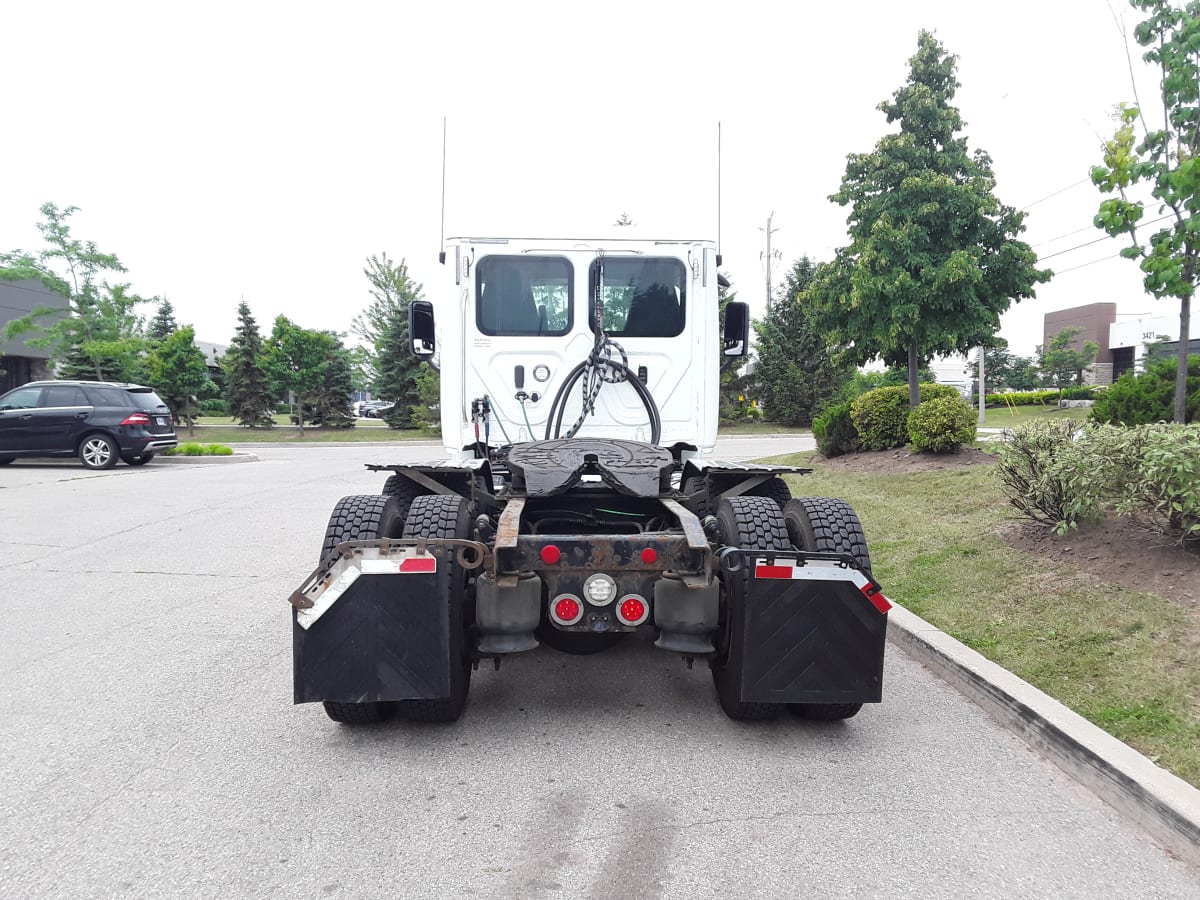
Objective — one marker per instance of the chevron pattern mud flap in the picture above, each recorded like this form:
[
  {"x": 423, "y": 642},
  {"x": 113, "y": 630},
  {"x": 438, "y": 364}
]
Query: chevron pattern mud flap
[
  {"x": 814, "y": 630},
  {"x": 384, "y": 636}
]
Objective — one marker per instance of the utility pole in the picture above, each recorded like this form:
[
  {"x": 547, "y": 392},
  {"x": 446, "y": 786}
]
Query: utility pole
[{"x": 770, "y": 259}]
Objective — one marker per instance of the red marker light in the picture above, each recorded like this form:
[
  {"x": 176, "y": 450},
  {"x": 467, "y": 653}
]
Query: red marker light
[
  {"x": 633, "y": 610},
  {"x": 567, "y": 610},
  {"x": 550, "y": 554},
  {"x": 649, "y": 555}
]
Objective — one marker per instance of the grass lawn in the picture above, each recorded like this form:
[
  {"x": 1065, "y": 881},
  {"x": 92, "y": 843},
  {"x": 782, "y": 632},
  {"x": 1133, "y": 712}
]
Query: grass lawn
[
  {"x": 1004, "y": 417},
  {"x": 1119, "y": 657}
]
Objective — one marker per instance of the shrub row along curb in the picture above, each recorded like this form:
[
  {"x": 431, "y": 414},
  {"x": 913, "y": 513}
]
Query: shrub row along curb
[
  {"x": 236, "y": 457},
  {"x": 1164, "y": 805}
]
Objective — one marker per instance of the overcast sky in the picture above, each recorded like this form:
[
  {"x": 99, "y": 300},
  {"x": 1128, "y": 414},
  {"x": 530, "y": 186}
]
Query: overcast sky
[{"x": 263, "y": 150}]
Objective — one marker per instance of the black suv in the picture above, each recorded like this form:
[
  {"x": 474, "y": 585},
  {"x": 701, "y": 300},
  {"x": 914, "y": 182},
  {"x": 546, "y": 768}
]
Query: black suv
[{"x": 98, "y": 421}]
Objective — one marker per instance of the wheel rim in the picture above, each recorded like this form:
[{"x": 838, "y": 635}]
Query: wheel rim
[{"x": 97, "y": 452}]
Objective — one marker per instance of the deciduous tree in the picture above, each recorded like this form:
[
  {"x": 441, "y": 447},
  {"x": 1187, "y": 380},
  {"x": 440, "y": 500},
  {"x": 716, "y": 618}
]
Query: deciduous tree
[
  {"x": 101, "y": 336},
  {"x": 934, "y": 257},
  {"x": 1168, "y": 159},
  {"x": 297, "y": 360},
  {"x": 1062, "y": 363},
  {"x": 178, "y": 370}
]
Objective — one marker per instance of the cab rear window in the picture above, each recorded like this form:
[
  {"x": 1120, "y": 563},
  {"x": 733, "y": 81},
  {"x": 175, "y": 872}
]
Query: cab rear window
[
  {"x": 644, "y": 297},
  {"x": 523, "y": 295}
]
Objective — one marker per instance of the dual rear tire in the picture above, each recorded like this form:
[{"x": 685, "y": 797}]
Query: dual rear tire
[
  {"x": 368, "y": 517},
  {"x": 818, "y": 524}
]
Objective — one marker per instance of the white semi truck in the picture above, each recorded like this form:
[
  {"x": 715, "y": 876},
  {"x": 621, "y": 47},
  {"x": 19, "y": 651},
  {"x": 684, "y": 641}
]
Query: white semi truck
[{"x": 578, "y": 505}]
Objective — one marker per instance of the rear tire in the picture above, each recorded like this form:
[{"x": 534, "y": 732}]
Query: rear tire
[
  {"x": 136, "y": 459},
  {"x": 445, "y": 516},
  {"x": 99, "y": 451},
  {"x": 826, "y": 525},
  {"x": 825, "y": 712},
  {"x": 775, "y": 488},
  {"x": 359, "y": 713},
  {"x": 359, "y": 518},
  {"x": 405, "y": 490},
  {"x": 751, "y": 523}
]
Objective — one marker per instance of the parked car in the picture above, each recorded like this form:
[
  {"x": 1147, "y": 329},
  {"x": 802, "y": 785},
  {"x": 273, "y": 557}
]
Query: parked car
[
  {"x": 98, "y": 421},
  {"x": 374, "y": 409}
]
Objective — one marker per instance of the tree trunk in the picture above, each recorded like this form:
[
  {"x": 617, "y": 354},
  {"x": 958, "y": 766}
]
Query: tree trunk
[
  {"x": 914, "y": 376},
  {"x": 187, "y": 414},
  {"x": 1181, "y": 370}
]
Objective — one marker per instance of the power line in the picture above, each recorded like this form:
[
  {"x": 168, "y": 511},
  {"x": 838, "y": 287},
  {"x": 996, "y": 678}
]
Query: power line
[
  {"x": 1084, "y": 265},
  {"x": 1099, "y": 239},
  {"x": 1056, "y": 193}
]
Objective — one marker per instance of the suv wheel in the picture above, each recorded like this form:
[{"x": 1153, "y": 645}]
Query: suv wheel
[{"x": 98, "y": 451}]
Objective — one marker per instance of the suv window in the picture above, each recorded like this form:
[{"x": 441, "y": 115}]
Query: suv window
[
  {"x": 523, "y": 295},
  {"x": 108, "y": 396},
  {"x": 642, "y": 297},
  {"x": 64, "y": 395},
  {"x": 21, "y": 398},
  {"x": 146, "y": 400}
]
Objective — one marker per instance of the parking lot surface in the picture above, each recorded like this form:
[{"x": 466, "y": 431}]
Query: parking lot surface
[{"x": 151, "y": 748}]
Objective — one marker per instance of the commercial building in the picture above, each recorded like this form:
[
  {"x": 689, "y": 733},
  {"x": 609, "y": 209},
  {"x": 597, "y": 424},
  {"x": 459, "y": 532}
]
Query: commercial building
[{"x": 19, "y": 362}]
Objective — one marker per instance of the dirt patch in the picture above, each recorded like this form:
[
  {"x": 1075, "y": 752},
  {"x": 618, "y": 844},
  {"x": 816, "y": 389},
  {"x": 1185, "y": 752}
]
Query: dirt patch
[
  {"x": 1118, "y": 551},
  {"x": 900, "y": 462}
]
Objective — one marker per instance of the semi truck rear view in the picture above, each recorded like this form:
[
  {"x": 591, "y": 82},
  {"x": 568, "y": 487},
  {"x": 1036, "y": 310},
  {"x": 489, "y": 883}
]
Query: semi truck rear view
[{"x": 578, "y": 504}]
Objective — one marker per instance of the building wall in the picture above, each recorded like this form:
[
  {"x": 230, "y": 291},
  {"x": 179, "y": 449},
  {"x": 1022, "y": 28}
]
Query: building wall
[
  {"x": 19, "y": 362},
  {"x": 1095, "y": 321},
  {"x": 1129, "y": 338}
]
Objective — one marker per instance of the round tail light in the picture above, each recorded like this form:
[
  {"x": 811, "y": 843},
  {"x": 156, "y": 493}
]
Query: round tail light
[
  {"x": 633, "y": 609},
  {"x": 566, "y": 609}
]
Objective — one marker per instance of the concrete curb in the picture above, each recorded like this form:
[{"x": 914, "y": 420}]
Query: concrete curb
[
  {"x": 236, "y": 457},
  {"x": 1165, "y": 806}
]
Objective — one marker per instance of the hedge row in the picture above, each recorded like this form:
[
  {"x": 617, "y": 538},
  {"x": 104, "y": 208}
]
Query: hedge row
[{"x": 1033, "y": 398}]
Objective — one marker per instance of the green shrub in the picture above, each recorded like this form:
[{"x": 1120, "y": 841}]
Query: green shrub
[
  {"x": 194, "y": 448},
  {"x": 1080, "y": 393},
  {"x": 941, "y": 424},
  {"x": 834, "y": 430},
  {"x": 881, "y": 416},
  {"x": 1046, "y": 474},
  {"x": 1022, "y": 398},
  {"x": 213, "y": 407},
  {"x": 1150, "y": 473},
  {"x": 1148, "y": 397}
]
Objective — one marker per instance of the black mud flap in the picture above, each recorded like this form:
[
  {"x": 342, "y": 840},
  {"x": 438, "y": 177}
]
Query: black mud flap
[
  {"x": 814, "y": 628},
  {"x": 384, "y": 637}
]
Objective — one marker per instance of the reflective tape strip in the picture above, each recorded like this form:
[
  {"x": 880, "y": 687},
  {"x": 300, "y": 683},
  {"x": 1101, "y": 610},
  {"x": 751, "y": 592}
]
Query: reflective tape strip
[
  {"x": 418, "y": 565},
  {"x": 869, "y": 589}
]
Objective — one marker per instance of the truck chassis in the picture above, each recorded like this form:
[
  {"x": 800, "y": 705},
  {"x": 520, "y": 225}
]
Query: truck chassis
[{"x": 577, "y": 544}]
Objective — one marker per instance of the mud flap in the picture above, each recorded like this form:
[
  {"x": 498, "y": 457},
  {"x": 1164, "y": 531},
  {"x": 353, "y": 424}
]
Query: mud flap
[
  {"x": 383, "y": 636},
  {"x": 814, "y": 629}
]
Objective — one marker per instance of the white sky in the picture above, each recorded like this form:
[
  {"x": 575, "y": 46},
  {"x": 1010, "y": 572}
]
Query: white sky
[{"x": 263, "y": 150}]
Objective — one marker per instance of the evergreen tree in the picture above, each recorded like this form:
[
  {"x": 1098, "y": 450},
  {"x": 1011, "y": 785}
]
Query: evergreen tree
[
  {"x": 798, "y": 372},
  {"x": 329, "y": 403},
  {"x": 251, "y": 401},
  {"x": 384, "y": 325},
  {"x": 733, "y": 383},
  {"x": 163, "y": 322},
  {"x": 933, "y": 259}
]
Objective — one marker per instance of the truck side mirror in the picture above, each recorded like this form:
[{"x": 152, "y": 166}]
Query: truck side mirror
[
  {"x": 736, "y": 333},
  {"x": 420, "y": 328}
]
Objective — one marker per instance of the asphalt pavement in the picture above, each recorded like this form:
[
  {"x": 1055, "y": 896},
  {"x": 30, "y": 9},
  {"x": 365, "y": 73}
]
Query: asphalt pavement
[{"x": 151, "y": 748}]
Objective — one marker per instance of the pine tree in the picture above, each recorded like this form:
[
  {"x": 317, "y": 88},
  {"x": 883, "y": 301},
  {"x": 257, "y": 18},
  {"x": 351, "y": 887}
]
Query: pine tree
[
  {"x": 163, "y": 323},
  {"x": 384, "y": 325},
  {"x": 329, "y": 403},
  {"x": 251, "y": 401},
  {"x": 798, "y": 372},
  {"x": 933, "y": 259}
]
